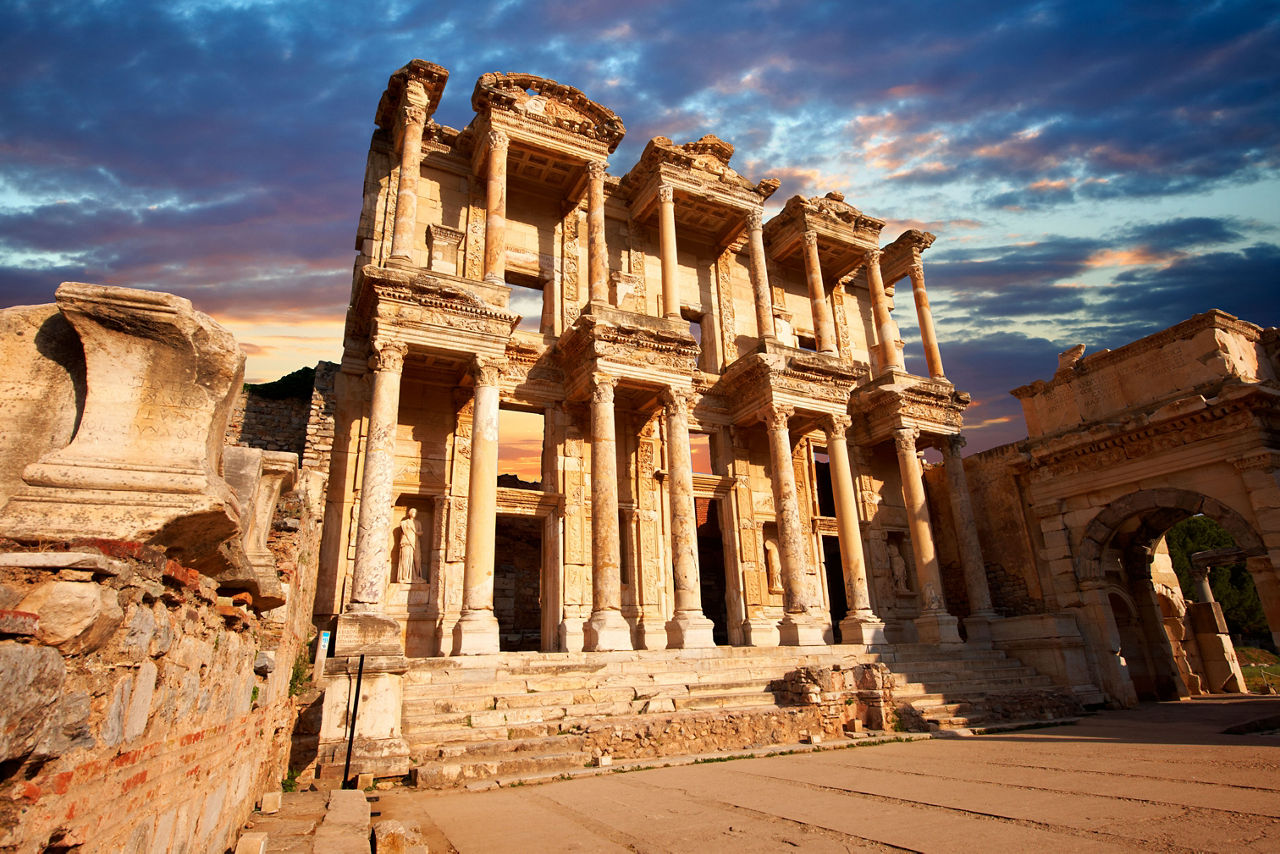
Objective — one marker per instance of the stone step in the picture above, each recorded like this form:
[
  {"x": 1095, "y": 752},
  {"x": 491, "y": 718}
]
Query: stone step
[
  {"x": 450, "y": 773},
  {"x": 551, "y": 744},
  {"x": 725, "y": 701}
]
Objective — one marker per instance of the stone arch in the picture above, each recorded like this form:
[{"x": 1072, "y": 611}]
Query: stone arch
[{"x": 1161, "y": 509}]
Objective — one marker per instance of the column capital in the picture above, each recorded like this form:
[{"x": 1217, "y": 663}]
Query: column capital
[
  {"x": 873, "y": 255},
  {"x": 602, "y": 387},
  {"x": 776, "y": 415},
  {"x": 486, "y": 372},
  {"x": 837, "y": 427},
  {"x": 916, "y": 271},
  {"x": 497, "y": 140},
  {"x": 388, "y": 356},
  {"x": 811, "y": 238},
  {"x": 954, "y": 443},
  {"x": 412, "y": 114},
  {"x": 666, "y": 194},
  {"x": 595, "y": 169},
  {"x": 755, "y": 219},
  {"x": 904, "y": 438},
  {"x": 676, "y": 400}
]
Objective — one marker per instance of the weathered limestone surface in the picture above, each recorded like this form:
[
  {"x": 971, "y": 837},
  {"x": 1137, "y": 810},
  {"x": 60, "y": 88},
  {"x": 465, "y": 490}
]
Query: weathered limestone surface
[{"x": 143, "y": 464}]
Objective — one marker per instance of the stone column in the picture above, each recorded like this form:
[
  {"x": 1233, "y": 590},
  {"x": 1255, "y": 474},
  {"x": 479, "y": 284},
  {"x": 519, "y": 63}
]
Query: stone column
[
  {"x": 597, "y": 255},
  {"x": 977, "y": 624},
  {"x": 364, "y": 628},
  {"x": 477, "y": 628},
  {"x": 886, "y": 329},
  {"x": 860, "y": 625},
  {"x": 760, "y": 275},
  {"x": 929, "y": 338},
  {"x": 606, "y": 629},
  {"x": 934, "y": 625},
  {"x": 798, "y": 628},
  {"x": 413, "y": 118},
  {"x": 823, "y": 327},
  {"x": 667, "y": 244},
  {"x": 689, "y": 628},
  {"x": 495, "y": 222},
  {"x": 1200, "y": 574}
]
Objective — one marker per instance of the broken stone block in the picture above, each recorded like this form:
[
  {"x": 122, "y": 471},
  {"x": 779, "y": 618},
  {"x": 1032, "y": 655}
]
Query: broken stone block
[
  {"x": 32, "y": 677},
  {"x": 18, "y": 623},
  {"x": 390, "y": 837},
  {"x": 270, "y": 802},
  {"x": 160, "y": 379},
  {"x": 74, "y": 616},
  {"x": 264, "y": 663}
]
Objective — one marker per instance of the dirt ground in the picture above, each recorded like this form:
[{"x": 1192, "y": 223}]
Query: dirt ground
[{"x": 1163, "y": 777}]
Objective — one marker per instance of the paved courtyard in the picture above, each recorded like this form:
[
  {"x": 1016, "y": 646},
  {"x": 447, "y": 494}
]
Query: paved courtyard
[{"x": 1163, "y": 777}]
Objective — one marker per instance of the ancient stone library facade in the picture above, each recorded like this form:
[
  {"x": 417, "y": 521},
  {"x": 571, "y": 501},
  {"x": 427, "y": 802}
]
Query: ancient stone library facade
[{"x": 729, "y": 537}]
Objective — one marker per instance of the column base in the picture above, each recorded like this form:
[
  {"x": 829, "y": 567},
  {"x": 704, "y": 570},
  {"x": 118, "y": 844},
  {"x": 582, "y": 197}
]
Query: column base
[
  {"x": 938, "y": 627},
  {"x": 606, "y": 630},
  {"x": 800, "y": 630},
  {"x": 475, "y": 633},
  {"x": 367, "y": 633},
  {"x": 650, "y": 633},
  {"x": 571, "y": 636},
  {"x": 862, "y": 630},
  {"x": 977, "y": 629},
  {"x": 400, "y": 261},
  {"x": 760, "y": 632},
  {"x": 377, "y": 747},
  {"x": 689, "y": 630}
]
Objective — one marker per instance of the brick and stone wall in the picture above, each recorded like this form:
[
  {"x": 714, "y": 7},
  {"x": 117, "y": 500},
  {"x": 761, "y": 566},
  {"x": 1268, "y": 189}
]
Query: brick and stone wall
[
  {"x": 143, "y": 711},
  {"x": 294, "y": 413},
  {"x": 319, "y": 431}
]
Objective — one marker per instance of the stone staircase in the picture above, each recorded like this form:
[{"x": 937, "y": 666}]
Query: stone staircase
[
  {"x": 970, "y": 688},
  {"x": 525, "y": 715}
]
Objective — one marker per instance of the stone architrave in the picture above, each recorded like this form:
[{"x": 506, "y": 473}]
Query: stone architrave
[
  {"x": 606, "y": 630},
  {"x": 689, "y": 628},
  {"x": 798, "y": 628},
  {"x": 477, "y": 628},
  {"x": 934, "y": 625},
  {"x": 160, "y": 382}
]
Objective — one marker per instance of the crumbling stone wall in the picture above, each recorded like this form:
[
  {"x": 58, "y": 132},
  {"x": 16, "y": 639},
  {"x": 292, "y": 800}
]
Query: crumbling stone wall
[
  {"x": 319, "y": 443},
  {"x": 143, "y": 711},
  {"x": 272, "y": 425}
]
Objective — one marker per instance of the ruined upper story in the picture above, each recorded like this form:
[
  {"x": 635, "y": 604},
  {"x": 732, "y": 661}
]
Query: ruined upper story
[{"x": 550, "y": 140}]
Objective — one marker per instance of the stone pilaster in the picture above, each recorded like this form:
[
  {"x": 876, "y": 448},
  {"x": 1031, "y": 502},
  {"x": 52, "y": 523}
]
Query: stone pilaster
[
  {"x": 495, "y": 222},
  {"x": 365, "y": 628},
  {"x": 929, "y": 338},
  {"x": 860, "y": 625},
  {"x": 934, "y": 625},
  {"x": 477, "y": 628},
  {"x": 667, "y": 246},
  {"x": 798, "y": 628},
  {"x": 886, "y": 329},
  {"x": 412, "y": 118},
  {"x": 689, "y": 628},
  {"x": 597, "y": 254},
  {"x": 975, "y": 573},
  {"x": 606, "y": 629},
  {"x": 823, "y": 327},
  {"x": 760, "y": 275}
]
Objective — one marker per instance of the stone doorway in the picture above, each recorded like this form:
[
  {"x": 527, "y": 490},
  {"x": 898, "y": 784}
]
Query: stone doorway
[
  {"x": 517, "y": 583},
  {"x": 1133, "y": 648},
  {"x": 711, "y": 569},
  {"x": 835, "y": 579}
]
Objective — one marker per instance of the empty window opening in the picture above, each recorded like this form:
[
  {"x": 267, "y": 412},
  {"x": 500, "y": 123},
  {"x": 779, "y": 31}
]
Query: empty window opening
[
  {"x": 700, "y": 453},
  {"x": 520, "y": 440},
  {"x": 806, "y": 342},
  {"x": 527, "y": 300},
  {"x": 835, "y": 579},
  {"x": 711, "y": 572},
  {"x": 822, "y": 484}
]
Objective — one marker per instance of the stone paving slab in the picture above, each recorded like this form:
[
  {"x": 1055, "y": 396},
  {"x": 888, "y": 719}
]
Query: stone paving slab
[{"x": 1159, "y": 778}]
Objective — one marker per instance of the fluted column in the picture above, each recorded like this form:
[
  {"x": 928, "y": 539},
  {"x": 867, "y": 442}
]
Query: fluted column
[
  {"x": 860, "y": 625},
  {"x": 934, "y": 625},
  {"x": 667, "y": 246},
  {"x": 797, "y": 628},
  {"x": 928, "y": 337},
  {"x": 824, "y": 329},
  {"x": 606, "y": 629},
  {"x": 413, "y": 118},
  {"x": 886, "y": 329},
  {"x": 760, "y": 275},
  {"x": 477, "y": 628},
  {"x": 373, "y": 532},
  {"x": 689, "y": 627},
  {"x": 597, "y": 254},
  {"x": 495, "y": 222}
]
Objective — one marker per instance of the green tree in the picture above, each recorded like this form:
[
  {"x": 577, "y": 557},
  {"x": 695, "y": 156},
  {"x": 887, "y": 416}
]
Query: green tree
[{"x": 1232, "y": 585}]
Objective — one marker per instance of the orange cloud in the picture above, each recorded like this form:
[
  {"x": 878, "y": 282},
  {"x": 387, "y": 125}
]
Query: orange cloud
[{"x": 1138, "y": 256}]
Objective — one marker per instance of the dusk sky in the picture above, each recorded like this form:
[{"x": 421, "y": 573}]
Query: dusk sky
[{"x": 1094, "y": 172}]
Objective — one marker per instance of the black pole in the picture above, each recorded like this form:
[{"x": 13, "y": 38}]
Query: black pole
[{"x": 351, "y": 735}]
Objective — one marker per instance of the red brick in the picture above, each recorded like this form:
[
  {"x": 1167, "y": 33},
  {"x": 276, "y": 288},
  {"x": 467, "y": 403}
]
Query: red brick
[{"x": 134, "y": 781}]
